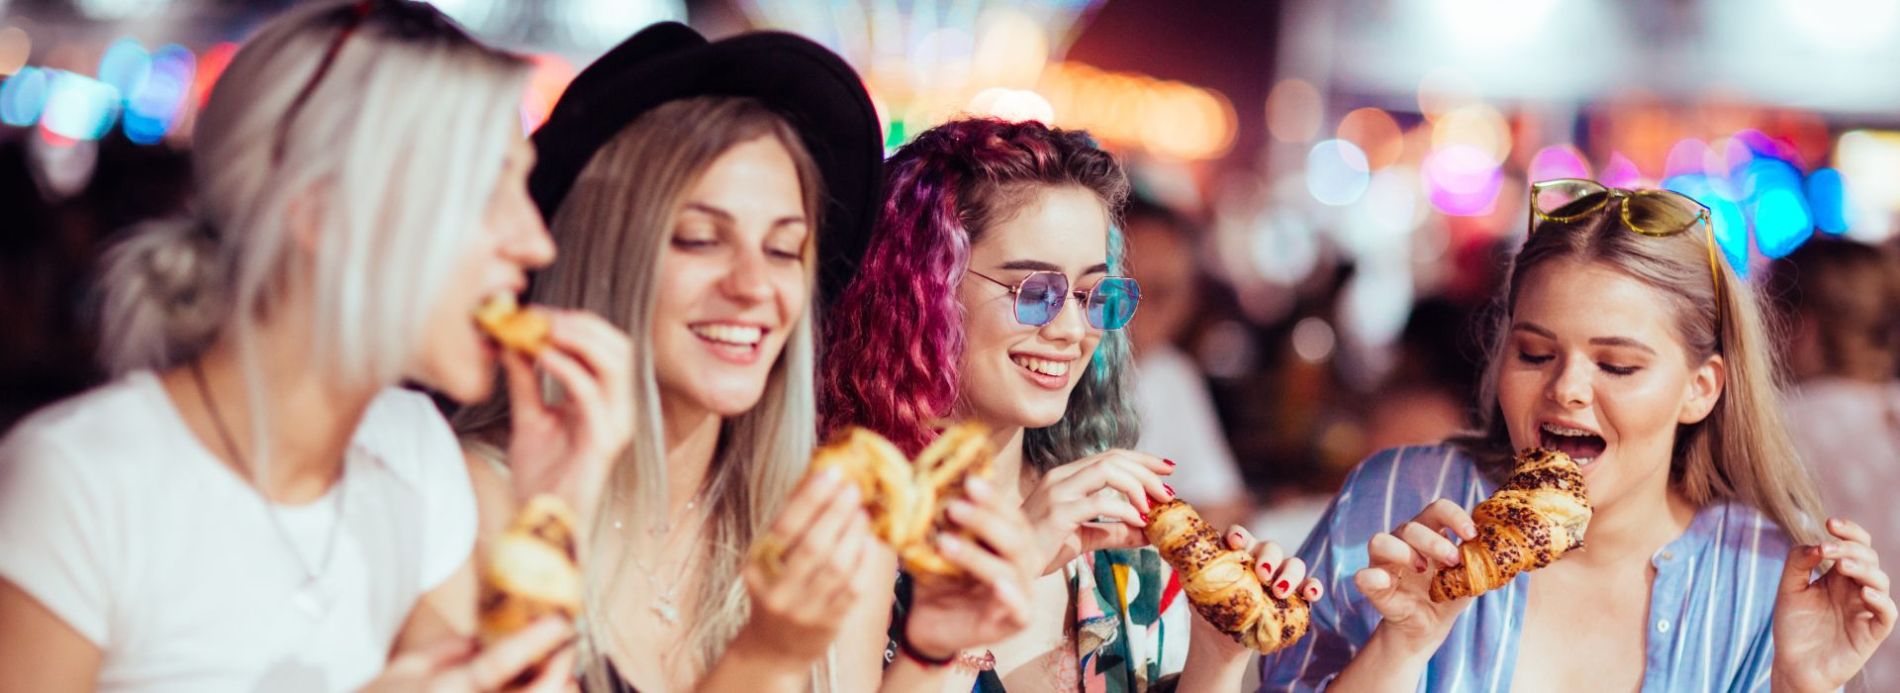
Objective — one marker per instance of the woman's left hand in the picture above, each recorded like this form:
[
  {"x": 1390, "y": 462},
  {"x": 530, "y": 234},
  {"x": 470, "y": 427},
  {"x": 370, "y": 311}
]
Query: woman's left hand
[
  {"x": 1279, "y": 573},
  {"x": 1825, "y": 629}
]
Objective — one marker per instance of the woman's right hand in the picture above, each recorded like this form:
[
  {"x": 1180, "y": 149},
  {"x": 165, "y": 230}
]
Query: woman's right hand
[
  {"x": 569, "y": 448},
  {"x": 1070, "y": 497},
  {"x": 454, "y": 666},
  {"x": 1397, "y": 579},
  {"x": 807, "y": 572}
]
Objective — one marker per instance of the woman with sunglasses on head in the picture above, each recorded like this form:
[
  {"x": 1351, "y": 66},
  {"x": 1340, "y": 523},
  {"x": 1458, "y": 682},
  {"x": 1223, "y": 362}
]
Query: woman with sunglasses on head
[
  {"x": 990, "y": 294},
  {"x": 1624, "y": 344},
  {"x": 694, "y": 188},
  {"x": 252, "y": 503}
]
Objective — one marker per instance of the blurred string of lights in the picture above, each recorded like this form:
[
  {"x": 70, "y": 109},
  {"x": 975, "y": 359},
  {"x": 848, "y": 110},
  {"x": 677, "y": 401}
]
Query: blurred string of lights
[{"x": 925, "y": 62}]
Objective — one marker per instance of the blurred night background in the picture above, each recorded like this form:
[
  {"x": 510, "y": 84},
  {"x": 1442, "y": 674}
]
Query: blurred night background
[{"x": 1328, "y": 188}]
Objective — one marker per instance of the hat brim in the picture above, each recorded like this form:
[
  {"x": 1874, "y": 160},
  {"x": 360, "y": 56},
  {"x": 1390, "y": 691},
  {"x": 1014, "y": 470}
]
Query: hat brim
[{"x": 805, "y": 83}]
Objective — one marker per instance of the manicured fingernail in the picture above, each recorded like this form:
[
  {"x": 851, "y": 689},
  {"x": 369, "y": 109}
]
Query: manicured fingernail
[
  {"x": 1233, "y": 537},
  {"x": 1170, "y": 462},
  {"x": 1312, "y": 592},
  {"x": 1144, "y": 516},
  {"x": 1468, "y": 531},
  {"x": 1282, "y": 586},
  {"x": 1170, "y": 490},
  {"x": 1266, "y": 567}
]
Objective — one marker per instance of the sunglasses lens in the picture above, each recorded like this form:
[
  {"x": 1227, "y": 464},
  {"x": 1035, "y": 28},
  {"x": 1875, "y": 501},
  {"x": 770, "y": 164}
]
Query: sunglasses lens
[
  {"x": 1040, "y": 298},
  {"x": 1113, "y": 303},
  {"x": 1568, "y": 197},
  {"x": 1662, "y": 212}
]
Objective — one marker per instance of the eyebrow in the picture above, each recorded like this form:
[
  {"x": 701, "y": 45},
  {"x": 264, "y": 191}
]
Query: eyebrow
[
  {"x": 1040, "y": 266},
  {"x": 1624, "y": 342},
  {"x": 727, "y": 217}
]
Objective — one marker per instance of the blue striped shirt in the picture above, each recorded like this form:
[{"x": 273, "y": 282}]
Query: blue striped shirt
[{"x": 1709, "y": 606}]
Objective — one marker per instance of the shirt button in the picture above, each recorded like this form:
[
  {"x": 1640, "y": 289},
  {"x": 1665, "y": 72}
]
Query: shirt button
[{"x": 1662, "y": 626}]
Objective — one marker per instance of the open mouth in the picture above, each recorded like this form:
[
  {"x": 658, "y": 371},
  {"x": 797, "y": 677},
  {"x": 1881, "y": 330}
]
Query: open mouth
[
  {"x": 1582, "y": 446},
  {"x": 730, "y": 339}
]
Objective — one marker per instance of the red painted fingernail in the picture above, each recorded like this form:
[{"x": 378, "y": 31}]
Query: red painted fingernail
[
  {"x": 1312, "y": 592},
  {"x": 1170, "y": 490},
  {"x": 1144, "y": 516},
  {"x": 1170, "y": 462},
  {"x": 1233, "y": 537},
  {"x": 1266, "y": 567},
  {"x": 1283, "y": 586}
]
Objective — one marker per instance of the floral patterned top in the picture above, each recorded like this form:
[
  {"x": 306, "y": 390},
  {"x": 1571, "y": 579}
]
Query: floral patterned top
[{"x": 1130, "y": 625}]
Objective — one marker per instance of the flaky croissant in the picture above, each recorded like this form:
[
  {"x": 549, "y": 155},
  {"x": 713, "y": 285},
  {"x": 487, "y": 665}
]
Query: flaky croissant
[
  {"x": 513, "y": 326},
  {"x": 906, "y": 499},
  {"x": 1221, "y": 584},
  {"x": 1537, "y": 516}
]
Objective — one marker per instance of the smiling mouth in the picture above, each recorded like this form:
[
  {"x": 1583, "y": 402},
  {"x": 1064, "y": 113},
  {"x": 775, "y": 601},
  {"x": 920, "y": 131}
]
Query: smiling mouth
[
  {"x": 1582, "y": 446},
  {"x": 729, "y": 337},
  {"x": 1053, "y": 369}
]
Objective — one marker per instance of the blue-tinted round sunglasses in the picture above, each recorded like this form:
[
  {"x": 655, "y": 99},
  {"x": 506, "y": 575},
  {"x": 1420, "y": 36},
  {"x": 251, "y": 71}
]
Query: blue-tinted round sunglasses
[{"x": 1110, "y": 304}]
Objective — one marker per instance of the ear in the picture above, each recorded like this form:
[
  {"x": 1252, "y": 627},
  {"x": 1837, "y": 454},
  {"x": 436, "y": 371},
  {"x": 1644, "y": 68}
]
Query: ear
[{"x": 1705, "y": 388}]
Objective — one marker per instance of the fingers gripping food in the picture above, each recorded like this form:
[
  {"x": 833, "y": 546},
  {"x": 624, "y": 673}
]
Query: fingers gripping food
[
  {"x": 521, "y": 329},
  {"x": 906, "y": 499},
  {"x": 1221, "y": 584},
  {"x": 1536, "y": 517},
  {"x": 531, "y": 570}
]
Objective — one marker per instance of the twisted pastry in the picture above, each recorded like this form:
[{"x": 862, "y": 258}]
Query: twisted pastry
[
  {"x": 1221, "y": 584},
  {"x": 531, "y": 570},
  {"x": 906, "y": 499},
  {"x": 1536, "y": 517}
]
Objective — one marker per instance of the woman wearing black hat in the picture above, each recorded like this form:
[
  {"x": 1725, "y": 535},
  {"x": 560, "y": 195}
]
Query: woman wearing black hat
[{"x": 692, "y": 187}]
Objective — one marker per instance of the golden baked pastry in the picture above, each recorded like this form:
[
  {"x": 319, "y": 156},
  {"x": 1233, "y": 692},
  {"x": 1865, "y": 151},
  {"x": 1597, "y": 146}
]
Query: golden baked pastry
[
  {"x": 531, "y": 570},
  {"x": 521, "y": 329},
  {"x": 1221, "y": 584},
  {"x": 1536, "y": 517},
  {"x": 906, "y": 498}
]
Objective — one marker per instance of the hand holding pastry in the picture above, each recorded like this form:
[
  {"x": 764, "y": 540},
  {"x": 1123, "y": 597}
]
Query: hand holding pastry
[
  {"x": 1825, "y": 629},
  {"x": 1227, "y": 579},
  {"x": 1536, "y": 517},
  {"x": 807, "y": 571},
  {"x": 568, "y": 447}
]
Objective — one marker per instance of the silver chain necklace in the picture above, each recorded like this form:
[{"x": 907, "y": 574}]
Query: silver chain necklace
[
  {"x": 662, "y": 604},
  {"x": 310, "y": 597}
]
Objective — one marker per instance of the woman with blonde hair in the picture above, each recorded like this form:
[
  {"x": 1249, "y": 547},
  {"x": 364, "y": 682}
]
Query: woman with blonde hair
[
  {"x": 252, "y": 503},
  {"x": 1625, "y": 344},
  {"x": 695, "y": 189}
]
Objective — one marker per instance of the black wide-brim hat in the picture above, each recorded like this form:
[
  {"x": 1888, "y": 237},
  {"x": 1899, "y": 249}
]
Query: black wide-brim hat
[{"x": 805, "y": 83}]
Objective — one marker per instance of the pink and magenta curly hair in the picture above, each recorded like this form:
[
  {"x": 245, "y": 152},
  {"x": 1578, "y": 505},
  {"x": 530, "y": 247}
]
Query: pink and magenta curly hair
[{"x": 894, "y": 338}]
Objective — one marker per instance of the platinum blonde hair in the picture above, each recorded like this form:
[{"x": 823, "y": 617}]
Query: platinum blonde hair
[{"x": 392, "y": 157}]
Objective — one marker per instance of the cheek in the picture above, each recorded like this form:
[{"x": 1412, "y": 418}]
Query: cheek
[{"x": 794, "y": 293}]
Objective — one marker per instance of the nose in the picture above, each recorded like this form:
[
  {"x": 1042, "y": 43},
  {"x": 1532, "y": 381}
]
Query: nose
[
  {"x": 1071, "y": 323},
  {"x": 747, "y": 279},
  {"x": 530, "y": 245},
  {"x": 1570, "y": 386}
]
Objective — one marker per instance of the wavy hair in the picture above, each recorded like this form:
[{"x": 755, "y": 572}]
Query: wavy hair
[
  {"x": 1742, "y": 450},
  {"x": 895, "y": 337}
]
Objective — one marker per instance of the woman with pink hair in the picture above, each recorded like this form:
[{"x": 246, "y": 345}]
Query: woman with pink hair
[{"x": 957, "y": 313}]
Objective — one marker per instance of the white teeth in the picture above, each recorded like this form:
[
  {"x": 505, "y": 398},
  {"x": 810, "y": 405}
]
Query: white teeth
[
  {"x": 739, "y": 335},
  {"x": 1043, "y": 366},
  {"x": 1566, "y": 431}
]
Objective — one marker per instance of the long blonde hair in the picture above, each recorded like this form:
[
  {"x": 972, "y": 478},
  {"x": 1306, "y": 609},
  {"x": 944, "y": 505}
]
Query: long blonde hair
[
  {"x": 1742, "y": 450},
  {"x": 612, "y": 230},
  {"x": 396, "y": 149}
]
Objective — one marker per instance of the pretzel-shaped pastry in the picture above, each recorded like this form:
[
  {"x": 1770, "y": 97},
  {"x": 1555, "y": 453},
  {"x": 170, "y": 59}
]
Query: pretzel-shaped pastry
[{"x": 906, "y": 499}]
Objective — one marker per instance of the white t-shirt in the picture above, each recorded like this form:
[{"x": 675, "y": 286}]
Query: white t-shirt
[
  {"x": 1178, "y": 423},
  {"x": 119, "y": 521}
]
